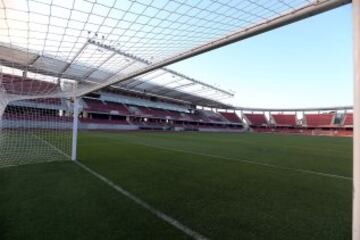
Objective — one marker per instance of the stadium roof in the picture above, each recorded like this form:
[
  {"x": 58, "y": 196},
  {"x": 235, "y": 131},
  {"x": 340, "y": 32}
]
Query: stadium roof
[
  {"x": 125, "y": 43},
  {"x": 163, "y": 82}
]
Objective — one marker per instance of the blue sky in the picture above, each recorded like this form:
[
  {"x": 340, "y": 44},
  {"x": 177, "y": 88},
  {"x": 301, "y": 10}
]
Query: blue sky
[{"x": 305, "y": 64}]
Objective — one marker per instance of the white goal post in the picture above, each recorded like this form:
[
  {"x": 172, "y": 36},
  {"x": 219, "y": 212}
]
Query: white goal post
[
  {"x": 75, "y": 129},
  {"x": 356, "y": 122}
]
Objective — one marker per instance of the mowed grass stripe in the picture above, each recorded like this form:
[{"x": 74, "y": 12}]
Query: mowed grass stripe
[
  {"x": 224, "y": 199},
  {"x": 255, "y": 139},
  {"x": 59, "y": 200},
  {"x": 241, "y": 160},
  {"x": 175, "y": 223},
  {"x": 270, "y": 149}
]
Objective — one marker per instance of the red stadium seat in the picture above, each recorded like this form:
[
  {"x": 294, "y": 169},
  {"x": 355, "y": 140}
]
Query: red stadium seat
[
  {"x": 120, "y": 108},
  {"x": 256, "y": 119},
  {"x": 48, "y": 101},
  {"x": 25, "y": 86},
  {"x": 319, "y": 120},
  {"x": 231, "y": 117},
  {"x": 284, "y": 119},
  {"x": 348, "y": 119},
  {"x": 104, "y": 121},
  {"x": 94, "y": 105},
  {"x": 35, "y": 117},
  {"x": 98, "y": 106}
]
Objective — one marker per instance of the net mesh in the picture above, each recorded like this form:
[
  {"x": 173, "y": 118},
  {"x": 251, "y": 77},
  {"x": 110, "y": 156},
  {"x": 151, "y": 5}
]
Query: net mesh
[
  {"x": 62, "y": 38},
  {"x": 34, "y": 131},
  {"x": 148, "y": 29},
  {"x": 55, "y": 49},
  {"x": 35, "y": 117}
]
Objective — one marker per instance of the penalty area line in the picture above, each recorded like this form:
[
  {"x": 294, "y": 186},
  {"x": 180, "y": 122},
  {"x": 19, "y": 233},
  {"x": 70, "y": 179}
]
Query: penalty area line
[{"x": 175, "y": 223}]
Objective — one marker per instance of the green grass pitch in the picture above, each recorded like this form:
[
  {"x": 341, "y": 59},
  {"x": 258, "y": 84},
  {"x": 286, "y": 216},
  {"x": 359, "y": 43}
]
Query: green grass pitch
[{"x": 223, "y": 186}]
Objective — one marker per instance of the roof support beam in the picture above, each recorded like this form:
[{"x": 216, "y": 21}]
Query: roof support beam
[
  {"x": 140, "y": 82},
  {"x": 68, "y": 65},
  {"x": 88, "y": 74},
  {"x": 176, "y": 88},
  {"x": 34, "y": 60},
  {"x": 195, "y": 92},
  {"x": 152, "y": 95},
  {"x": 161, "y": 87}
]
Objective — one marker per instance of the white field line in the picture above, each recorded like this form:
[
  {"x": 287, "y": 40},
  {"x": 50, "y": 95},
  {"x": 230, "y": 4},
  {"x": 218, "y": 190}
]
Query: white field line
[
  {"x": 249, "y": 162},
  {"x": 175, "y": 223},
  {"x": 52, "y": 146}
]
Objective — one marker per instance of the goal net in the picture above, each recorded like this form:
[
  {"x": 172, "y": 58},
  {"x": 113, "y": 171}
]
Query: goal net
[
  {"x": 53, "y": 50},
  {"x": 34, "y": 129}
]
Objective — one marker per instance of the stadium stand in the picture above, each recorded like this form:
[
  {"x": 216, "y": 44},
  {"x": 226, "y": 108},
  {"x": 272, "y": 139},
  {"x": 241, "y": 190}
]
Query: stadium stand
[
  {"x": 134, "y": 110},
  {"x": 15, "y": 85},
  {"x": 319, "y": 120},
  {"x": 256, "y": 119},
  {"x": 103, "y": 121},
  {"x": 210, "y": 116},
  {"x": 94, "y": 105},
  {"x": 144, "y": 111},
  {"x": 128, "y": 111},
  {"x": 112, "y": 108},
  {"x": 117, "y": 108},
  {"x": 127, "y": 99},
  {"x": 47, "y": 101},
  {"x": 196, "y": 117},
  {"x": 158, "y": 113},
  {"x": 174, "y": 115},
  {"x": 348, "y": 120},
  {"x": 281, "y": 120},
  {"x": 101, "y": 114},
  {"x": 12, "y": 116},
  {"x": 138, "y": 113},
  {"x": 231, "y": 117}
]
